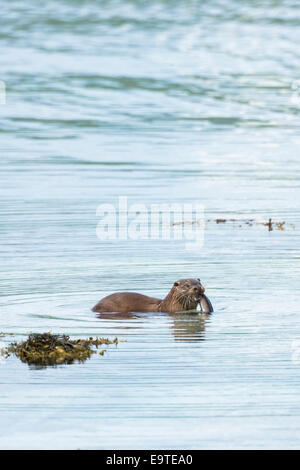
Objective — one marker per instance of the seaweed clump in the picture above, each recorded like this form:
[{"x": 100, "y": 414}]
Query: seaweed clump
[{"x": 46, "y": 349}]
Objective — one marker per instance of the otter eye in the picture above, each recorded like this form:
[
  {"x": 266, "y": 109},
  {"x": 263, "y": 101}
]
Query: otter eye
[{"x": 176, "y": 284}]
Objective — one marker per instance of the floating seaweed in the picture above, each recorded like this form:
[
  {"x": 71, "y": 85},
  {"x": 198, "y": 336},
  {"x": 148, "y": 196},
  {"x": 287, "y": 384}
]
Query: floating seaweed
[
  {"x": 220, "y": 221},
  {"x": 250, "y": 222},
  {"x": 46, "y": 349}
]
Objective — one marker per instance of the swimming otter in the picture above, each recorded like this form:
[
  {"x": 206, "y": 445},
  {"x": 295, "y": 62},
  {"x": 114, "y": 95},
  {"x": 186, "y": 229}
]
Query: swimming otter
[{"x": 185, "y": 294}]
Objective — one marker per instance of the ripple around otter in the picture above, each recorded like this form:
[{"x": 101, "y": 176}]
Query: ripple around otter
[{"x": 141, "y": 99}]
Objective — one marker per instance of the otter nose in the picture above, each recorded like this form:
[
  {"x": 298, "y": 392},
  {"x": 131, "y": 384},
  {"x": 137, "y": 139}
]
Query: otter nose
[{"x": 202, "y": 289}]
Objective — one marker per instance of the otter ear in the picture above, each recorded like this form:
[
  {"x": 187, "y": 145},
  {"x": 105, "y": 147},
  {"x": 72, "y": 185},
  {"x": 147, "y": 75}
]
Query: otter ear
[{"x": 176, "y": 284}]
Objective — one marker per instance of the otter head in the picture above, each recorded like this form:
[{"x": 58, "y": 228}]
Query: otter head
[{"x": 188, "y": 292}]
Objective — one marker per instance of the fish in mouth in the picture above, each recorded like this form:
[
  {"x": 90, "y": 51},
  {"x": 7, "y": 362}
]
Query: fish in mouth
[{"x": 189, "y": 293}]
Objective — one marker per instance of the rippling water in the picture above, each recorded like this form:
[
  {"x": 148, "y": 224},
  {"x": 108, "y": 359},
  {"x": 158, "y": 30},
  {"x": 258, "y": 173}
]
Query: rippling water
[{"x": 161, "y": 101}]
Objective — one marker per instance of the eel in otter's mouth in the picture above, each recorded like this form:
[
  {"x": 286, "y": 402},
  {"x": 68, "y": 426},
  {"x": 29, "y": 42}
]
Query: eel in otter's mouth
[{"x": 205, "y": 304}]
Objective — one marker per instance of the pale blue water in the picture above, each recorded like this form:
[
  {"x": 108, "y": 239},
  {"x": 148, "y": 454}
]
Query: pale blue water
[{"x": 161, "y": 101}]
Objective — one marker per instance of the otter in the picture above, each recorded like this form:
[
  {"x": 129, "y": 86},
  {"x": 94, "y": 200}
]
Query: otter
[{"x": 185, "y": 295}]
